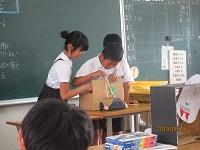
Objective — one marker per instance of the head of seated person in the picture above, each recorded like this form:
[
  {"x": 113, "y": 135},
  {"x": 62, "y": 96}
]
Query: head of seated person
[{"x": 55, "y": 125}]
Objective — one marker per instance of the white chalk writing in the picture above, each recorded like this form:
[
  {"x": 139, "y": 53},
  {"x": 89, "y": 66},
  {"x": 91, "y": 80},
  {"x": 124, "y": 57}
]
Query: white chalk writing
[
  {"x": 2, "y": 23},
  {"x": 147, "y": 22},
  {"x": 8, "y": 62}
]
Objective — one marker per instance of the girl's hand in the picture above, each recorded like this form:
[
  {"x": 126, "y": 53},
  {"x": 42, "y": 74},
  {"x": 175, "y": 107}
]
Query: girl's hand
[
  {"x": 112, "y": 77},
  {"x": 86, "y": 88}
]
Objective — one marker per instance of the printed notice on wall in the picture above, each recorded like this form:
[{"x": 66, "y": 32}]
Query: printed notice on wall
[{"x": 177, "y": 67}]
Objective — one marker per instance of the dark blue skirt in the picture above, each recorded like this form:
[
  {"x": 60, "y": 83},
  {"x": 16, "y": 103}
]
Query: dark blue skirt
[{"x": 48, "y": 92}]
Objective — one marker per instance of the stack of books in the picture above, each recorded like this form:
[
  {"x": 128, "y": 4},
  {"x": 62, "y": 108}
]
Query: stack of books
[{"x": 131, "y": 141}]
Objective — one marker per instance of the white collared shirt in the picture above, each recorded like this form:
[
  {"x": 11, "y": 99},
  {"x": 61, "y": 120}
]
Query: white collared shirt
[
  {"x": 122, "y": 69},
  {"x": 60, "y": 71}
]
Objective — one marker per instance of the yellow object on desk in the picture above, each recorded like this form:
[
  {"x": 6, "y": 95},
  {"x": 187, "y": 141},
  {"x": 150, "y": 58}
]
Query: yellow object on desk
[
  {"x": 143, "y": 87},
  {"x": 140, "y": 90}
]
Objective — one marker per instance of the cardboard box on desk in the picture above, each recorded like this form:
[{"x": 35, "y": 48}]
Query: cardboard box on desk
[{"x": 91, "y": 101}]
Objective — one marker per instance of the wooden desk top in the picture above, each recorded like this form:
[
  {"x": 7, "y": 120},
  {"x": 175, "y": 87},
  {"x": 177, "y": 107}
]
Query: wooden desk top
[
  {"x": 191, "y": 146},
  {"x": 98, "y": 147},
  {"x": 18, "y": 124},
  {"x": 15, "y": 123},
  {"x": 95, "y": 117},
  {"x": 142, "y": 107}
]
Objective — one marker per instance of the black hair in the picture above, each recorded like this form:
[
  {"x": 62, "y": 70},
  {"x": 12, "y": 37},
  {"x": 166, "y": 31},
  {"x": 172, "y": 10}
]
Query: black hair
[
  {"x": 55, "y": 125},
  {"x": 76, "y": 38},
  {"x": 112, "y": 39},
  {"x": 113, "y": 52}
]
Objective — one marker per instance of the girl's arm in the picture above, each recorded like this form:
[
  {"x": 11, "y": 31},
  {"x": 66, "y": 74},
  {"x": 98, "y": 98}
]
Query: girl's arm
[
  {"x": 77, "y": 81},
  {"x": 66, "y": 93}
]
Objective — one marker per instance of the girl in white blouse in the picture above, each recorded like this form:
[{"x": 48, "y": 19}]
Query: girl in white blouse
[{"x": 57, "y": 83}]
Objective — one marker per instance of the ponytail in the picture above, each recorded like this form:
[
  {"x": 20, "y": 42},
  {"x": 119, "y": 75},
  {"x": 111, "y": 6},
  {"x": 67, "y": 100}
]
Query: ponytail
[
  {"x": 76, "y": 38},
  {"x": 64, "y": 34}
]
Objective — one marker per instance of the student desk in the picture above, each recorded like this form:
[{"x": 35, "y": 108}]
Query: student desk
[
  {"x": 131, "y": 110},
  {"x": 93, "y": 117},
  {"x": 18, "y": 124},
  {"x": 190, "y": 146}
]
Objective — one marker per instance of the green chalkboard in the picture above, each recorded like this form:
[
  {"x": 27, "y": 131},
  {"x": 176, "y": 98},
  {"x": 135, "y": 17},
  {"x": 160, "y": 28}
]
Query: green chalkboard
[
  {"x": 146, "y": 24},
  {"x": 30, "y": 38}
]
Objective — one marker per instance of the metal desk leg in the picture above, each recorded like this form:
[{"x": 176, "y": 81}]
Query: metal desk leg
[
  {"x": 131, "y": 123},
  {"x": 18, "y": 127},
  {"x": 136, "y": 125},
  {"x": 109, "y": 126},
  {"x": 126, "y": 124}
]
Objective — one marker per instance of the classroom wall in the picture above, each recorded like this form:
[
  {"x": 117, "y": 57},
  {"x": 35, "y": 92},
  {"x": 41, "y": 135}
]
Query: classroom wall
[
  {"x": 8, "y": 133},
  {"x": 92, "y": 21},
  {"x": 28, "y": 54}
]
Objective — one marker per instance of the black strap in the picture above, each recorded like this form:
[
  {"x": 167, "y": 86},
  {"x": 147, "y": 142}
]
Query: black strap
[{"x": 58, "y": 60}]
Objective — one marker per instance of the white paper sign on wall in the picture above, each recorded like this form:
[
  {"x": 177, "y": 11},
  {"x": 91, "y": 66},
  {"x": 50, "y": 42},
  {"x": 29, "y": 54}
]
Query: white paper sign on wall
[{"x": 177, "y": 67}]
